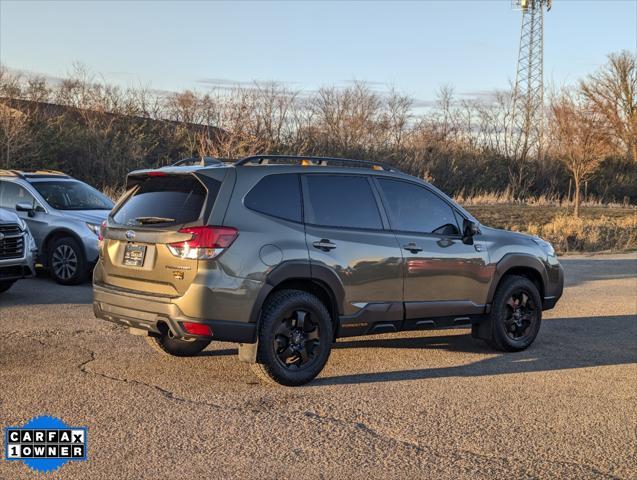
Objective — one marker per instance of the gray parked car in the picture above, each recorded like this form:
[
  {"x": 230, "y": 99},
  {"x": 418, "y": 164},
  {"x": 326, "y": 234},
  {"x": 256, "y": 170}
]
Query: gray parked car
[
  {"x": 64, "y": 216},
  {"x": 285, "y": 254},
  {"x": 17, "y": 250}
]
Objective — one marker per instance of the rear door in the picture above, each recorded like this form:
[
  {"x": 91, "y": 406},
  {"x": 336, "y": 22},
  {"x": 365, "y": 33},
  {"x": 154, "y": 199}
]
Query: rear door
[
  {"x": 345, "y": 232},
  {"x": 135, "y": 251},
  {"x": 443, "y": 275}
]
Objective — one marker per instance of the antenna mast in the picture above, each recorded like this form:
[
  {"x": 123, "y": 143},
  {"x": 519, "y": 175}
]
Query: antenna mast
[{"x": 528, "y": 95}]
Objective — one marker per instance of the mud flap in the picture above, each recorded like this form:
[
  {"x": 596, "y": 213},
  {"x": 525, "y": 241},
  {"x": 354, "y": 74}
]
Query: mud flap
[
  {"x": 481, "y": 329},
  {"x": 248, "y": 352}
]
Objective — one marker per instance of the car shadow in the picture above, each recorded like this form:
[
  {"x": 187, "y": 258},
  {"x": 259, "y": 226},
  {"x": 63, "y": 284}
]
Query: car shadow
[
  {"x": 563, "y": 343},
  {"x": 42, "y": 290},
  {"x": 581, "y": 270},
  {"x": 218, "y": 353}
]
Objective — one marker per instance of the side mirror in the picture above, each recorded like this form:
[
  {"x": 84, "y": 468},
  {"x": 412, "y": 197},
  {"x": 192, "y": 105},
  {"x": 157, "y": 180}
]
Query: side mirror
[
  {"x": 25, "y": 207},
  {"x": 469, "y": 229}
]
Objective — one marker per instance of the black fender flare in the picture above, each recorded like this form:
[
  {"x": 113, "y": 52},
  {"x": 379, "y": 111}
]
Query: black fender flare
[
  {"x": 300, "y": 270},
  {"x": 516, "y": 260}
]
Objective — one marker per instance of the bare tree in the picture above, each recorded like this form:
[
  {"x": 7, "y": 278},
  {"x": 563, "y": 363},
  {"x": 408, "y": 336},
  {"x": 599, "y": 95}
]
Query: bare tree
[
  {"x": 14, "y": 134},
  {"x": 579, "y": 141},
  {"x": 612, "y": 93},
  {"x": 11, "y": 84}
]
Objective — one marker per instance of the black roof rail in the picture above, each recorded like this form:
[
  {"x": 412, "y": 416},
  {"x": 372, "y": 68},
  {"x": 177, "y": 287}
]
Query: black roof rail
[
  {"x": 314, "y": 161},
  {"x": 196, "y": 161}
]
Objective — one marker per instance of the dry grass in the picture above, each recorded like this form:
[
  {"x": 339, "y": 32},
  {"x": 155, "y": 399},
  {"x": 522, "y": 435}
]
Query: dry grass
[
  {"x": 571, "y": 234},
  {"x": 598, "y": 228},
  {"x": 507, "y": 198},
  {"x": 113, "y": 192},
  {"x": 519, "y": 217}
]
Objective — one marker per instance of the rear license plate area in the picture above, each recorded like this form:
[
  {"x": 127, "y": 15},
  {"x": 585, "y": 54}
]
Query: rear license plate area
[{"x": 134, "y": 255}]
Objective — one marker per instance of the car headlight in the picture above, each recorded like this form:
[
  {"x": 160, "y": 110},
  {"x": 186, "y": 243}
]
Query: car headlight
[
  {"x": 546, "y": 246},
  {"x": 94, "y": 228},
  {"x": 31, "y": 243},
  {"x": 22, "y": 224}
]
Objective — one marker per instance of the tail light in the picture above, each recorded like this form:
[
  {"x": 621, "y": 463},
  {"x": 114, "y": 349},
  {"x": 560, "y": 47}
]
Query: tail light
[
  {"x": 100, "y": 236},
  {"x": 206, "y": 242},
  {"x": 197, "y": 328}
]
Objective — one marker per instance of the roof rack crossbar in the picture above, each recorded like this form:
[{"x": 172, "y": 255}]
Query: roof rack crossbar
[{"x": 298, "y": 159}]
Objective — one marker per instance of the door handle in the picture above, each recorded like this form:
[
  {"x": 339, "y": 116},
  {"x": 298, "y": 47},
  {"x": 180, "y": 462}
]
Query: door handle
[
  {"x": 412, "y": 247},
  {"x": 324, "y": 244}
]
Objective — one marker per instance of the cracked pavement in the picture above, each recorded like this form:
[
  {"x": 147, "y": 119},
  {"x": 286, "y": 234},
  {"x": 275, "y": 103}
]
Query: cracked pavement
[{"x": 433, "y": 404}]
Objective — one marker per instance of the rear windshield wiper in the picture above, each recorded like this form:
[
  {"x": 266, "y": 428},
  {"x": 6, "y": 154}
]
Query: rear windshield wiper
[{"x": 148, "y": 220}]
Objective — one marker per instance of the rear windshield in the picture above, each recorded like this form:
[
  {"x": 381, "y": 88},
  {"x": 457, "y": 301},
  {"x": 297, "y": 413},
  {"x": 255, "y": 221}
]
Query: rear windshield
[{"x": 163, "y": 201}]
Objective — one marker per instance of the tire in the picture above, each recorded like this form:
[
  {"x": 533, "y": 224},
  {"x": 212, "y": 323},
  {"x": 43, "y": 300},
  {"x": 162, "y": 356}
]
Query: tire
[
  {"x": 66, "y": 262},
  {"x": 175, "y": 347},
  {"x": 6, "y": 285},
  {"x": 516, "y": 314},
  {"x": 295, "y": 338}
]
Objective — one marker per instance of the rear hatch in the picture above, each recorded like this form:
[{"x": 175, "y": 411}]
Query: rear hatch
[{"x": 151, "y": 239}]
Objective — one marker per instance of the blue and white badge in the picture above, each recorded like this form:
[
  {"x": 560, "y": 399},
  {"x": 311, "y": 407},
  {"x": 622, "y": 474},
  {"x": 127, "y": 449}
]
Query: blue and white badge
[{"x": 45, "y": 443}]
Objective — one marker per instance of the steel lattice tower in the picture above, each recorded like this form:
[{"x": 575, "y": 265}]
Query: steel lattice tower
[{"x": 528, "y": 96}]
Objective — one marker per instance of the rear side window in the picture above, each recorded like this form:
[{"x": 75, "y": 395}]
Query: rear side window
[
  {"x": 413, "y": 208},
  {"x": 164, "y": 201},
  {"x": 276, "y": 195},
  {"x": 341, "y": 201}
]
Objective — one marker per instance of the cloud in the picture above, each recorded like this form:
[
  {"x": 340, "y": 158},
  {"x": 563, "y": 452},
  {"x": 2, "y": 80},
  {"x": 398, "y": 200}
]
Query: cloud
[
  {"x": 479, "y": 94},
  {"x": 52, "y": 79},
  {"x": 419, "y": 103},
  {"x": 366, "y": 82},
  {"x": 223, "y": 82},
  {"x": 231, "y": 83}
]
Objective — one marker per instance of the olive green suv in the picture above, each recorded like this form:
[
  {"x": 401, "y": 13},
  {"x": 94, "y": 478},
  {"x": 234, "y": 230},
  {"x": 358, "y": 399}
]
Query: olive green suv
[{"x": 284, "y": 255}]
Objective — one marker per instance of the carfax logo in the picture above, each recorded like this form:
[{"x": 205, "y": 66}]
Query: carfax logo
[{"x": 45, "y": 443}]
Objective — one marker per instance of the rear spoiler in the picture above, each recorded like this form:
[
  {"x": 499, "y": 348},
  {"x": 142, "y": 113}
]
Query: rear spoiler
[{"x": 137, "y": 176}]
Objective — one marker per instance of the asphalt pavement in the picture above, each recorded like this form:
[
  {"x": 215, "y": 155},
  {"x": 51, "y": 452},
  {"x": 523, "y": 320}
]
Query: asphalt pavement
[{"x": 435, "y": 404}]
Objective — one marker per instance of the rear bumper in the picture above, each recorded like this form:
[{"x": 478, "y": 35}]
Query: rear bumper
[{"x": 151, "y": 313}]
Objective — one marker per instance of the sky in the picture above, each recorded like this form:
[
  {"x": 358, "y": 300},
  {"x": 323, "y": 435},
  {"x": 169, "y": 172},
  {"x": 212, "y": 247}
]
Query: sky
[{"x": 413, "y": 46}]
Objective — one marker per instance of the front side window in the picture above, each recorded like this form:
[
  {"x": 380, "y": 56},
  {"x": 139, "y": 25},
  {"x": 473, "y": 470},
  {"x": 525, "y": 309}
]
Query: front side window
[
  {"x": 72, "y": 195},
  {"x": 345, "y": 201},
  {"x": 413, "y": 208},
  {"x": 277, "y": 195},
  {"x": 12, "y": 194}
]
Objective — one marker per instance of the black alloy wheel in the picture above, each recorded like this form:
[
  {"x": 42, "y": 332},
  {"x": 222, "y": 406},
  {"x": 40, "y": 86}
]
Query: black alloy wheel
[
  {"x": 516, "y": 314},
  {"x": 521, "y": 315},
  {"x": 297, "y": 340}
]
